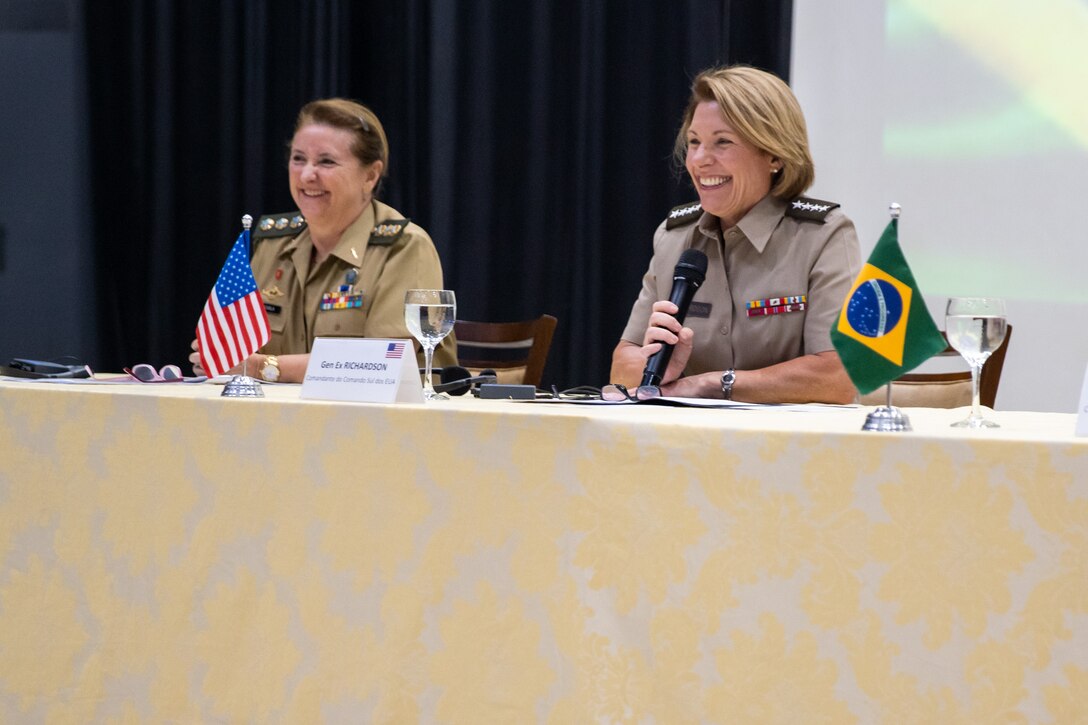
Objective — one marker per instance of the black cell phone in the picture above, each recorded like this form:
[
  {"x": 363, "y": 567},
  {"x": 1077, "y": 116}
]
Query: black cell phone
[
  {"x": 25, "y": 368},
  {"x": 42, "y": 367}
]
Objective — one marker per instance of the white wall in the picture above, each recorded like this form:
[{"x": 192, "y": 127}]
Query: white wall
[{"x": 973, "y": 115}]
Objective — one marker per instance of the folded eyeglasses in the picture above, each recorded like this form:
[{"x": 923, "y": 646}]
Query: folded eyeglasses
[
  {"x": 618, "y": 393},
  {"x": 148, "y": 374}
]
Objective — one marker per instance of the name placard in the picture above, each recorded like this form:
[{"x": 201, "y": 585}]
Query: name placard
[
  {"x": 362, "y": 371},
  {"x": 1082, "y": 409}
]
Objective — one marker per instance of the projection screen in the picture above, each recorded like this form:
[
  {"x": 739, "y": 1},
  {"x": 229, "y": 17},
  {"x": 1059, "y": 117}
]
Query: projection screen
[{"x": 974, "y": 117}]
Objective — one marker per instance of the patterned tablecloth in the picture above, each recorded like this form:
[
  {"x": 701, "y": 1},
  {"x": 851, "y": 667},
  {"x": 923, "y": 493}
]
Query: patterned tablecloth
[{"x": 169, "y": 555}]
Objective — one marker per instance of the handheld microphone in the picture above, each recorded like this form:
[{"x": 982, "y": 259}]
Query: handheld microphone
[{"x": 686, "y": 279}]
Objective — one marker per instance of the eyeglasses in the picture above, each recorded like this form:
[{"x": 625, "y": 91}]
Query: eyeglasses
[
  {"x": 581, "y": 392},
  {"x": 147, "y": 374},
  {"x": 618, "y": 393}
]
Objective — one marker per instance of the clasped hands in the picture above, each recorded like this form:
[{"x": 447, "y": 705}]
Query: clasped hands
[
  {"x": 194, "y": 359},
  {"x": 198, "y": 369}
]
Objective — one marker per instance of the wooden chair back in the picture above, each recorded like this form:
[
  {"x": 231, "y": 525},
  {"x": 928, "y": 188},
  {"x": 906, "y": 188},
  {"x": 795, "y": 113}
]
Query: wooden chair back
[
  {"x": 516, "y": 351},
  {"x": 945, "y": 390}
]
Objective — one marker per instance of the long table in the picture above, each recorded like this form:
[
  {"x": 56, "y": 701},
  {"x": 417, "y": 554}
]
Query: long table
[{"x": 170, "y": 555}]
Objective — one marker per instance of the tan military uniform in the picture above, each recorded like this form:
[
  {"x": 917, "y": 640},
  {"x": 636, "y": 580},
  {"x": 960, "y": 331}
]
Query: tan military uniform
[
  {"x": 379, "y": 257},
  {"x": 778, "y": 250}
]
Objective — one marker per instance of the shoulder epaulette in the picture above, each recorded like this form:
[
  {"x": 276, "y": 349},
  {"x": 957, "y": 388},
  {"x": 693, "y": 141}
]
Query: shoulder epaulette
[
  {"x": 279, "y": 225},
  {"x": 813, "y": 209},
  {"x": 387, "y": 232},
  {"x": 684, "y": 214}
]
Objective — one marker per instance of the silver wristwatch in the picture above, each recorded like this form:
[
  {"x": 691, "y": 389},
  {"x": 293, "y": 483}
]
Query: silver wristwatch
[{"x": 728, "y": 378}]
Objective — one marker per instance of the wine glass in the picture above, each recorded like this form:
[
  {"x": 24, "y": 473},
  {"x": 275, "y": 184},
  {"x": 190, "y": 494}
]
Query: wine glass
[
  {"x": 429, "y": 315},
  {"x": 975, "y": 327}
]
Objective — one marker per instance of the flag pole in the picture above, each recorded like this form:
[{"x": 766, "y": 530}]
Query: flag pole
[
  {"x": 247, "y": 223},
  {"x": 243, "y": 386},
  {"x": 887, "y": 417}
]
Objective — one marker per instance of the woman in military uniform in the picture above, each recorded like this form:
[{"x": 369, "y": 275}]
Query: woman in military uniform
[
  {"x": 340, "y": 265},
  {"x": 780, "y": 265}
]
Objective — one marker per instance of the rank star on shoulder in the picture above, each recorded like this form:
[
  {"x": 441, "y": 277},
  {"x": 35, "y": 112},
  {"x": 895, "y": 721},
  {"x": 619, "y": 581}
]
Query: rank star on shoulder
[{"x": 681, "y": 212}]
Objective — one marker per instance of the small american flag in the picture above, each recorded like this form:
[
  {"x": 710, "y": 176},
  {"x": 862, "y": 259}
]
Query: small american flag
[
  {"x": 234, "y": 323},
  {"x": 395, "y": 350}
]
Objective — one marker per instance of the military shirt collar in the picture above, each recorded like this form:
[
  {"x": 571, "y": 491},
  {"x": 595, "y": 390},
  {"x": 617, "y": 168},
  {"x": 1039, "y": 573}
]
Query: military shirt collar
[
  {"x": 756, "y": 226},
  {"x": 352, "y": 242}
]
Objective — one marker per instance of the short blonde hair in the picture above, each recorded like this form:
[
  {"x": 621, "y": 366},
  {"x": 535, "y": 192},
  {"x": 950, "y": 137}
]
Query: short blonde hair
[
  {"x": 369, "y": 143},
  {"x": 762, "y": 109}
]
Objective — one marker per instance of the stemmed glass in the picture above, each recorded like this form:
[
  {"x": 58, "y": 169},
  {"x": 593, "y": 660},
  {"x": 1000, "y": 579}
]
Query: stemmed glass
[
  {"x": 975, "y": 327},
  {"x": 429, "y": 315}
]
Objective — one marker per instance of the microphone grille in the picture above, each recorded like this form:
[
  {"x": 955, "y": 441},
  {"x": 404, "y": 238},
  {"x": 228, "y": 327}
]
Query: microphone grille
[{"x": 692, "y": 266}]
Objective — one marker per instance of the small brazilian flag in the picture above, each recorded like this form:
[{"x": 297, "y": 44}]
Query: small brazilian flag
[{"x": 884, "y": 329}]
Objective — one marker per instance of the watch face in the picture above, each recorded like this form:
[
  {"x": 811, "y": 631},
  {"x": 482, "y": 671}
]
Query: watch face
[
  {"x": 271, "y": 373},
  {"x": 728, "y": 378}
]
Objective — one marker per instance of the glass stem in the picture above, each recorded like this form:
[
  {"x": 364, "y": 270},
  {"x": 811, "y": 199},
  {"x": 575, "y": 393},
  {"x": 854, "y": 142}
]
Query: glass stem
[
  {"x": 976, "y": 374},
  {"x": 428, "y": 357}
]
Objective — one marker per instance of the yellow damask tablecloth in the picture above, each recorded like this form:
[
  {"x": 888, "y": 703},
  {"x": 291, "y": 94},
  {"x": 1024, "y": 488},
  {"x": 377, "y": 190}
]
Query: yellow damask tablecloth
[{"x": 169, "y": 555}]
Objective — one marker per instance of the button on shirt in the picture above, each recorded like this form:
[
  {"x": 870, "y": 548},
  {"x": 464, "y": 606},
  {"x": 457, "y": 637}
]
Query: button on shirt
[{"x": 766, "y": 255}]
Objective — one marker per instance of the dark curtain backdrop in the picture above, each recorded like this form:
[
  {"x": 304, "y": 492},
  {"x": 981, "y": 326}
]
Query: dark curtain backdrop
[{"x": 532, "y": 140}]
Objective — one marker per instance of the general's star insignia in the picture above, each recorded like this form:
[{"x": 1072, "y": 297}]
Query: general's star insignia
[
  {"x": 805, "y": 206},
  {"x": 682, "y": 212}
]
